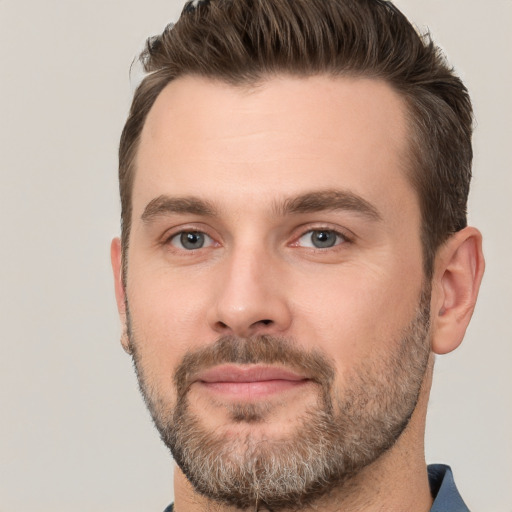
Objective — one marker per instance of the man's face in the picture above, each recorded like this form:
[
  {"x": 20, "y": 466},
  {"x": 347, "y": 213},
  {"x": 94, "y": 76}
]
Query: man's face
[{"x": 274, "y": 284}]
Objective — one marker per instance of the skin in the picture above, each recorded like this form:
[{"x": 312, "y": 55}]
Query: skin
[{"x": 248, "y": 152}]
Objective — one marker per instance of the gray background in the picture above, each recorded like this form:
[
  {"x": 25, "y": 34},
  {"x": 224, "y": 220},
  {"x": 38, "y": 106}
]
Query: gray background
[{"x": 75, "y": 435}]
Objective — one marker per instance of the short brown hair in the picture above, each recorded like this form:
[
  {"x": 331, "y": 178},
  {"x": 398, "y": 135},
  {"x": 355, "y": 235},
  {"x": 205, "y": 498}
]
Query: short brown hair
[{"x": 246, "y": 41}]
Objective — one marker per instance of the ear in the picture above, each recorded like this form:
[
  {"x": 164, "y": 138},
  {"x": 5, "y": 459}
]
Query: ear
[
  {"x": 117, "y": 268},
  {"x": 458, "y": 272}
]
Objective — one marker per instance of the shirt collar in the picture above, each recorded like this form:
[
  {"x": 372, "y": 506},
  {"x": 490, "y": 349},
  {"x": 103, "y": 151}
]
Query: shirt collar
[{"x": 445, "y": 493}]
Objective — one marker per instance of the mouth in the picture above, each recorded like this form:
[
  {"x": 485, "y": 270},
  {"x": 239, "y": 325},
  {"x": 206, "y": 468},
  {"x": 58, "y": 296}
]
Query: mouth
[{"x": 249, "y": 382}]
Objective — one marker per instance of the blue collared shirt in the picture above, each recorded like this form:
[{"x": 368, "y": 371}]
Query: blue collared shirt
[{"x": 443, "y": 489}]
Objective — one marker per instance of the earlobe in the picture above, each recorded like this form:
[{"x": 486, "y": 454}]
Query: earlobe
[
  {"x": 117, "y": 269},
  {"x": 458, "y": 273}
]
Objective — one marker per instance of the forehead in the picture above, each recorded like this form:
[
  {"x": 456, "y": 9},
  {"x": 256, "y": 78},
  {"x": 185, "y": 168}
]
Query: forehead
[{"x": 278, "y": 138}]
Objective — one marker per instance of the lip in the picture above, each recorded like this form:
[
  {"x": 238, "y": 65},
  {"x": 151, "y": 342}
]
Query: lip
[
  {"x": 249, "y": 373},
  {"x": 249, "y": 382}
]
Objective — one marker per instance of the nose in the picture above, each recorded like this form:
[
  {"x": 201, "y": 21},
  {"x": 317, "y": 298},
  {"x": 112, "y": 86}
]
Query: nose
[{"x": 250, "y": 296}]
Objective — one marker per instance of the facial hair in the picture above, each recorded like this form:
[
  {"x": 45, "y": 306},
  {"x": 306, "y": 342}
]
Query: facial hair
[{"x": 334, "y": 439}]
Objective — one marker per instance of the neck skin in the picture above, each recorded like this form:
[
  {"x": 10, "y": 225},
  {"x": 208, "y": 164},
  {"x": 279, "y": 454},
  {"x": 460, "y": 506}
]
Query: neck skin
[{"x": 397, "y": 481}]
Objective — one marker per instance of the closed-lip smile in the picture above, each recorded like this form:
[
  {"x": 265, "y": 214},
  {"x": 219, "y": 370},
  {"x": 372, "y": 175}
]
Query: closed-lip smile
[{"x": 247, "y": 382}]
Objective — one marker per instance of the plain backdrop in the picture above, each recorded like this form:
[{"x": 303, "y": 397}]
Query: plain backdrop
[{"x": 74, "y": 434}]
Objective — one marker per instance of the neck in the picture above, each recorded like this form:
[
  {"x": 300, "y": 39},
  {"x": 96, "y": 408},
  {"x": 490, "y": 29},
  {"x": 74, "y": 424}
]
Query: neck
[{"x": 396, "y": 481}]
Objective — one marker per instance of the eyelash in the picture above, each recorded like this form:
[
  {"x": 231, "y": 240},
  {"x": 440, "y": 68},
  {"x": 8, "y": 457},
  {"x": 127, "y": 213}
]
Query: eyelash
[
  {"x": 194, "y": 232},
  {"x": 342, "y": 238}
]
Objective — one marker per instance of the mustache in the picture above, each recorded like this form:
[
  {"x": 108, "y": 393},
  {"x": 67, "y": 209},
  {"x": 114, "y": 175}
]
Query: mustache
[{"x": 262, "y": 349}]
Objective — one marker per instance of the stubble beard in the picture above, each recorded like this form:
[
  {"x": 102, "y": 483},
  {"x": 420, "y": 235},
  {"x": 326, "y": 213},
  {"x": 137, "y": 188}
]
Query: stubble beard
[{"x": 333, "y": 440}]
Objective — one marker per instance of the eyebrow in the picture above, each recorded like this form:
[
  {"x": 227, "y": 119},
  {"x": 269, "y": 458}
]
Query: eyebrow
[
  {"x": 310, "y": 202},
  {"x": 329, "y": 200},
  {"x": 166, "y": 205}
]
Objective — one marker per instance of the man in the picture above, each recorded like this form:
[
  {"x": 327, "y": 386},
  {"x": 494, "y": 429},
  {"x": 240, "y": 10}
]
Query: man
[{"x": 294, "y": 251}]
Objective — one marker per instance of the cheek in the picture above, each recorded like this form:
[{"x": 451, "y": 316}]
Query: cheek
[
  {"x": 360, "y": 315},
  {"x": 167, "y": 319}
]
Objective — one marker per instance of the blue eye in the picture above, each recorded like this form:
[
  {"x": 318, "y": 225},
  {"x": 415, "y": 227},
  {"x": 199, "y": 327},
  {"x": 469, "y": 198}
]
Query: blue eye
[
  {"x": 191, "y": 240},
  {"x": 321, "y": 239}
]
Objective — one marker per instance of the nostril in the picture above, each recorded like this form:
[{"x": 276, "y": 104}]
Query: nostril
[{"x": 241, "y": 329}]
